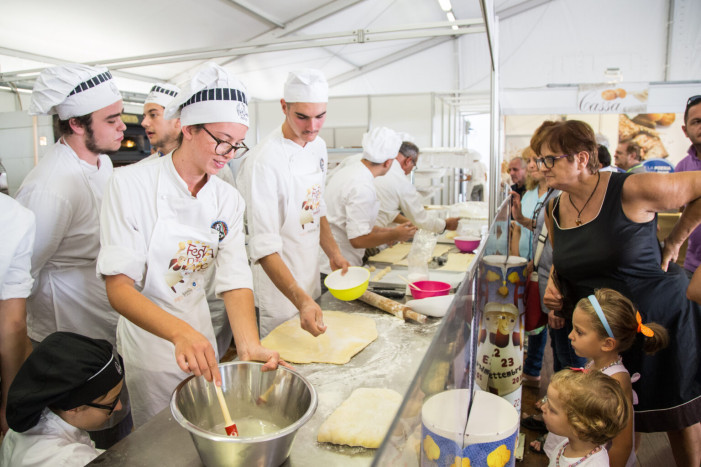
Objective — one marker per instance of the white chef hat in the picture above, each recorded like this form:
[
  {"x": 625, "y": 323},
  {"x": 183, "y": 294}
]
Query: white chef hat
[
  {"x": 162, "y": 94},
  {"x": 381, "y": 144},
  {"x": 212, "y": 95},
  {"x": 307, "y": 85},
  {"x": 73, "y": 90}
]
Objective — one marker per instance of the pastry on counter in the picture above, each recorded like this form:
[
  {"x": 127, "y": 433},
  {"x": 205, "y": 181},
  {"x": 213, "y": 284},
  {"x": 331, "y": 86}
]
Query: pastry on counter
[
  {"x": 346, "y": 335},
  {"x": 363, "y": 419}
]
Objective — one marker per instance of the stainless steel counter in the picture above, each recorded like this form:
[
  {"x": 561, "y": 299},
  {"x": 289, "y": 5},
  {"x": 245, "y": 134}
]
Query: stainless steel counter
[{"x": 389, "y": 362}]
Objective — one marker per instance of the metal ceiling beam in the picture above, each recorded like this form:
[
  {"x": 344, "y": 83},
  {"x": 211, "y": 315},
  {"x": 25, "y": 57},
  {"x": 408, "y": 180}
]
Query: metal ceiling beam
[
  {"x": 388, "y": 59},
  {"x": 296, "y": 24},
  {"x": 55, "y": 61},
  {"x": 297, "y": 42},
  {"x": 520, "y": 8},
  {"x": 257, "y": 13}
]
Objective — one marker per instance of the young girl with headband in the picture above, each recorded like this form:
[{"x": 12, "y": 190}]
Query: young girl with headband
[
  {"x": 584, "y": 410},
  {"x": 604, "y": 325}
]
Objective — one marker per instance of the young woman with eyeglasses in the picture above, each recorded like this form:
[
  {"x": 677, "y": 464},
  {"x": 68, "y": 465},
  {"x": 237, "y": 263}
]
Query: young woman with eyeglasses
[{"x": 165, "y": 224}]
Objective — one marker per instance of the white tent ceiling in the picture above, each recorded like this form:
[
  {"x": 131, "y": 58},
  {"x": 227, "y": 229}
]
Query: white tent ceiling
[{"x": 363, "y": 46}]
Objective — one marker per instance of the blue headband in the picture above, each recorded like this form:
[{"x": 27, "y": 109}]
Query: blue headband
[{"x": 595, "y": 303}]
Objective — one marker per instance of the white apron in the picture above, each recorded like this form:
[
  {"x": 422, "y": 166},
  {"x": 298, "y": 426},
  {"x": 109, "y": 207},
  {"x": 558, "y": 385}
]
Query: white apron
[
  {"x": 178, "y": 256},
  {"x": 300, "y": 246}
]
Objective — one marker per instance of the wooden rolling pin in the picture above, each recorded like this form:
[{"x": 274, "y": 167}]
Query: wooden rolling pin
[{"x": 392, "y": 307}]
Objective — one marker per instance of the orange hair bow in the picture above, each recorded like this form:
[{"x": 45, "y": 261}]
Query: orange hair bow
[{"x": 646, "y": 331}]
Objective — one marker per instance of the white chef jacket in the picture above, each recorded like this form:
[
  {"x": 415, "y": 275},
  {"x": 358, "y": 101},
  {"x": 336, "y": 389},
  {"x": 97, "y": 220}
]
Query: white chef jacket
[
  {"x": 65, "y": 194},
  {"x": 50, "y": 443},
  {"x": 396, "y": 194},
  {"x": 344, "y": 163},
  {"x": 217, "y": 309},
  {"x": 130, "y": 216},
  {"x": 17, "y": 226},
  {"x": 283, "y": 185},
  {"x": 352, "y": 209},
  {"x": 225, "y": 173}
]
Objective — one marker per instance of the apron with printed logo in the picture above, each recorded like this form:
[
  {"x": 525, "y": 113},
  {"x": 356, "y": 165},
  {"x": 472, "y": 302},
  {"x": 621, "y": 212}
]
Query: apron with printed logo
[
  {"x": 300, "y": 248},
  {"x": 178, "y": 256}
]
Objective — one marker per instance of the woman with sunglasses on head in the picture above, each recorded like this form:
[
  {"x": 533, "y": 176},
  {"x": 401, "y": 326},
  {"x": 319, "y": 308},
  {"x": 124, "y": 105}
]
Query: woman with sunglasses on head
[
  {"x": 603, "y": 229},
  {"x": 69, "y": 384},
  {"x": 164, "y": 223}
]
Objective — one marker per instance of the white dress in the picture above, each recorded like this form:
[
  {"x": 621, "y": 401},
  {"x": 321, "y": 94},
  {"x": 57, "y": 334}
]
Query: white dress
[
  {"x": 65, "y": 194},
  {"x": 283, "y": 185},
  {"x": 50, "y": 443},
  {"x": 396, "y": 194},
  {"x": 155, "y": 232},
  {"x": 17, "y": 227},
  {"x": 352, "y": 208}
]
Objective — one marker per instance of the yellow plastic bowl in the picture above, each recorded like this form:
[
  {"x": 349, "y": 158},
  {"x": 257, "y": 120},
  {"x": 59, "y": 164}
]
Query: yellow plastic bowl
[{"x": 348, "y": 287}]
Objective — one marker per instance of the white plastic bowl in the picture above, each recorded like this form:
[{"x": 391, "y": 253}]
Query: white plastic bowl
[{"x": 432, "y": 306}]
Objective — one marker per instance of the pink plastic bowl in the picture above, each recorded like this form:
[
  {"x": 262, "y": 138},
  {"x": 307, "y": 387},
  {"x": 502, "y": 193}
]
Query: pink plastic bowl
[
  {"x": 430, "y": 289},
  {"x": 467, "y": 244}
]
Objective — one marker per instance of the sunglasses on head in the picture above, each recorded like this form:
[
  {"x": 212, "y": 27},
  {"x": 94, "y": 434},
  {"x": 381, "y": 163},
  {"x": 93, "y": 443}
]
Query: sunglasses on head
[{"x": 693, "y": 100}]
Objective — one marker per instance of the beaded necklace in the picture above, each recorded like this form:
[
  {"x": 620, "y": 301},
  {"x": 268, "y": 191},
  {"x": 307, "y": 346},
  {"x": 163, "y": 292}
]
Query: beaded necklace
[
  {"x": 614, "y": 363},
  {"x": 562, "y": 450}
]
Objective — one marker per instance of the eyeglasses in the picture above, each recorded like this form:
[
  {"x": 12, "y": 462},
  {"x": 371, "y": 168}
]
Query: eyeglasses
[
  {"x": 109, "y": 407},
  {"x": 548, "y": 161},
  {"x": 693, "y": 100},
  {"x": 224, "y": 147}
]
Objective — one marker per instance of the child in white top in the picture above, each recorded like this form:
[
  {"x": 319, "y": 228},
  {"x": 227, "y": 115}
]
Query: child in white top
[
  {"x": 588, "y": 409},
  {"x": 603, "y": 325}
]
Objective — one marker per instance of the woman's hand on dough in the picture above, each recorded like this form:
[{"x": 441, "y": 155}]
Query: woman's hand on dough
[
  {"x": 311, "y": 318},
  {"x": 552, "y": 299},
  {"x": 195, "y": 354}
]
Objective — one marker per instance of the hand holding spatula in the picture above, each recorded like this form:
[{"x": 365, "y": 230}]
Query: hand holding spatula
[{"x": 230, "y": 427}]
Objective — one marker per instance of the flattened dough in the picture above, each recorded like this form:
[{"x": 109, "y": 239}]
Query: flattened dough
[
  {"x": 457, "y": 262},
  {"x": 346, "y": 335},
  {"x": 363, "y": 419},
  {"x": 392, "y": 254}
]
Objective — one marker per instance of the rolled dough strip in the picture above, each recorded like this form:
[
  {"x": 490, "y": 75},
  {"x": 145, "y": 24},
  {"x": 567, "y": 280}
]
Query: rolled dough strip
[
  {"x": 363, "y": 419},
  {"x": 381, "y": 274}
]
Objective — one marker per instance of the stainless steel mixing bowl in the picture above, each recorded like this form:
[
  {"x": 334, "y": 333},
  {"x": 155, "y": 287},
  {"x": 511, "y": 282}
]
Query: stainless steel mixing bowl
[{"x": 282, "y": 397}]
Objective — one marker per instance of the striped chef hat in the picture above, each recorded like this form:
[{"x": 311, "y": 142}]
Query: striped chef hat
[
  {"x": 212, "y": 95},
  {"x": 162, "y": 94},
  {"x": 73, "y": 90}
]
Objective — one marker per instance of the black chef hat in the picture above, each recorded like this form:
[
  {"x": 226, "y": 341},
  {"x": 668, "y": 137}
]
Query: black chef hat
[{"x": 65, "y": 371}]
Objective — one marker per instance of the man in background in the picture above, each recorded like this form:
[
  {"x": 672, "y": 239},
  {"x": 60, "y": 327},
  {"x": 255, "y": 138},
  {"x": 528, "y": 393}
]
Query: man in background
[
  {"x": 692, "y": 161},
  {"x": 629, "y": 157},
  {"x": 162, "y": 134},
  {"x": 399, "y": 200},
  {"x": 477, "y": 177},
  {"x": 517, "y": 171},
  {"x": 352, "y": 200}
]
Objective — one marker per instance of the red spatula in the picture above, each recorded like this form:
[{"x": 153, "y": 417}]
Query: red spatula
[{"x": 230, "y": 427}]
